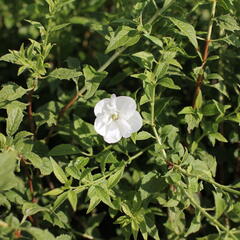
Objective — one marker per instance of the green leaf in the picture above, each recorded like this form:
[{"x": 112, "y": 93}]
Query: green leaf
[
  {"x": 64, "y": 237},
  {"x": 60, "y": 200},
  {"x": 65, "y": 73},
  {"x": 2, "y": 140},
  {"x": 58, "y": 27},
  {"x": 220, "y": 204},
  {"x": 161, "y": 105},
  {"x": 199, "y": 100},
  {"x": 21, "y": 70},
  {"x": 72, "y": 197},
  {"x": 227, "y": 4},
  {"x": 124, "y": 36},
  {"x": 94, "y": 199},
  {"x": 210, "y": 109},
  {"x": 147, "y": 77},
  {"x": 221, "y": 87},
  {"x": 9, "y": 57},
  {"x": 234, "y": 213},
  {"x": 144, "y": 59},
  {"x": 116, "y": 177},
  {"x": 58, "y": 172},
  {"x": 40, "y": 234},
  {"x": 192, "y": 121},
  {"x": 11, "y": 91},
  {"x": 15, "y": 117},
  {"x": 106, "y": 157},
  {"x": 43, "y": 164},
  {"x": 171, "y": 133},
  {"x": 155, "y": 40},
  {"x": 73, "y": 172},
  {"x": 53, "y": 192},
  {"x": 103, "y": 195},
  {"x": 29, "y": 209},
  {"x": 218, "y": 136},
  {"x": 187, "y": 110},
  {"x": 143, "y": 135},
  {"x": 63, "y": 150},
  {"x": 232, "y": 39},
  {"x": 186, "y": 29},
  {"x": 7, "y": 167},
  {"x": 43, "y": 117},
  {"x": 93, "y": 79},
  {"x": 195, "y": 224},
  {"x": 228, "y": 22},
  {"x": 74, "y": 167},
  {"x": 210, "y": 161},
  {"x": 35, "y": 24},
  {"x": 151, "y": 183},
  {"x": 135, "y": 228},
  {"x": 168, "y": 83},
  {"x": 200, "y": 168},
  {"x": 148, "y": 227},
  {"x": 167, "y": 4},
  {"x": 214, "y": 76}
]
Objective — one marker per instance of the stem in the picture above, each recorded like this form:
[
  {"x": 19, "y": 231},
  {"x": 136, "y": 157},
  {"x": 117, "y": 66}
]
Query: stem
[
  {"x": 137, "y": 154},
  {"x": 223, "y": 187},
  {"x": 159, "y": 12},
  {"x": 110, "y": 173},
  {"x": 200, "y": 77},
  {"x": 84, "y": 235},
  {"x": 153, "y": 110},
  {"x": 111, "y": 59},
  {"x": 153, "y": 121},
  {"x": 30, "y": 113},
  {"x": 207, "y": 215}
]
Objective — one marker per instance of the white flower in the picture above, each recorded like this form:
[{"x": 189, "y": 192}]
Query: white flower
[{"x": 116, "y": 117}]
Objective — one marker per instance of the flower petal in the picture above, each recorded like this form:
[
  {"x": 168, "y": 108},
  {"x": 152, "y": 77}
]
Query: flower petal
[
  {"x": 126, "y": 106},
  {"x": 100, "y": 105},
  {"x": 100, "y": 125},
  {"x": 124, "y": 127},
  {"x": 135, "y": 121},
  {"x": 113, "y": 134}
]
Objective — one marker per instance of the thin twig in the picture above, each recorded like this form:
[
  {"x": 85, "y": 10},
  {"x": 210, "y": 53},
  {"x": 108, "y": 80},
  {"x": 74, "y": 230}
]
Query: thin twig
[
  {"x": 30, "y": 113},
  {"x": 153, "y": 124},
  {"x": 200, "y": 77},
  {"x": 62, "y": 112}
]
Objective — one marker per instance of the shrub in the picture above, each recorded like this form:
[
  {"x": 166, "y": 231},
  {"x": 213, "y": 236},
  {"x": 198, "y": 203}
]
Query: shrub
[{"x": 177, "y": 177}]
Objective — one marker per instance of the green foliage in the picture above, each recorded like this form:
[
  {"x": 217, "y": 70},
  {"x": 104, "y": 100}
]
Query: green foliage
[{"x": 178, "y": 177}]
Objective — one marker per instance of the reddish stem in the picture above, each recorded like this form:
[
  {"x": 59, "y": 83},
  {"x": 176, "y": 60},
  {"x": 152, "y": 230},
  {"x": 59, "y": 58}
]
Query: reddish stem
[
  {"x": 200, "y": 77},
  {"x": 61, "y": 114},
  {"x": 30, "y": 113}
]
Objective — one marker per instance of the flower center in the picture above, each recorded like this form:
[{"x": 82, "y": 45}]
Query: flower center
[{"x": 115, "y": 116}]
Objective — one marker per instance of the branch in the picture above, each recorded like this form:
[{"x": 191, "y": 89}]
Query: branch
[
  {"x": 200, "y": 77},
  {"x": 207, "y": 215},
  {"x": 211, "y": 181}
]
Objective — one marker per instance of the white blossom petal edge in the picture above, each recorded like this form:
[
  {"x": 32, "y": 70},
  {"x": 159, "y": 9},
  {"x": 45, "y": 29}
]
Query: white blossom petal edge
[{"x": 116, "y": 117}]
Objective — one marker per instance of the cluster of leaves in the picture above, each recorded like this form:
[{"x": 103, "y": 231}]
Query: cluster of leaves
[{"x": 175, "y": 179}]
